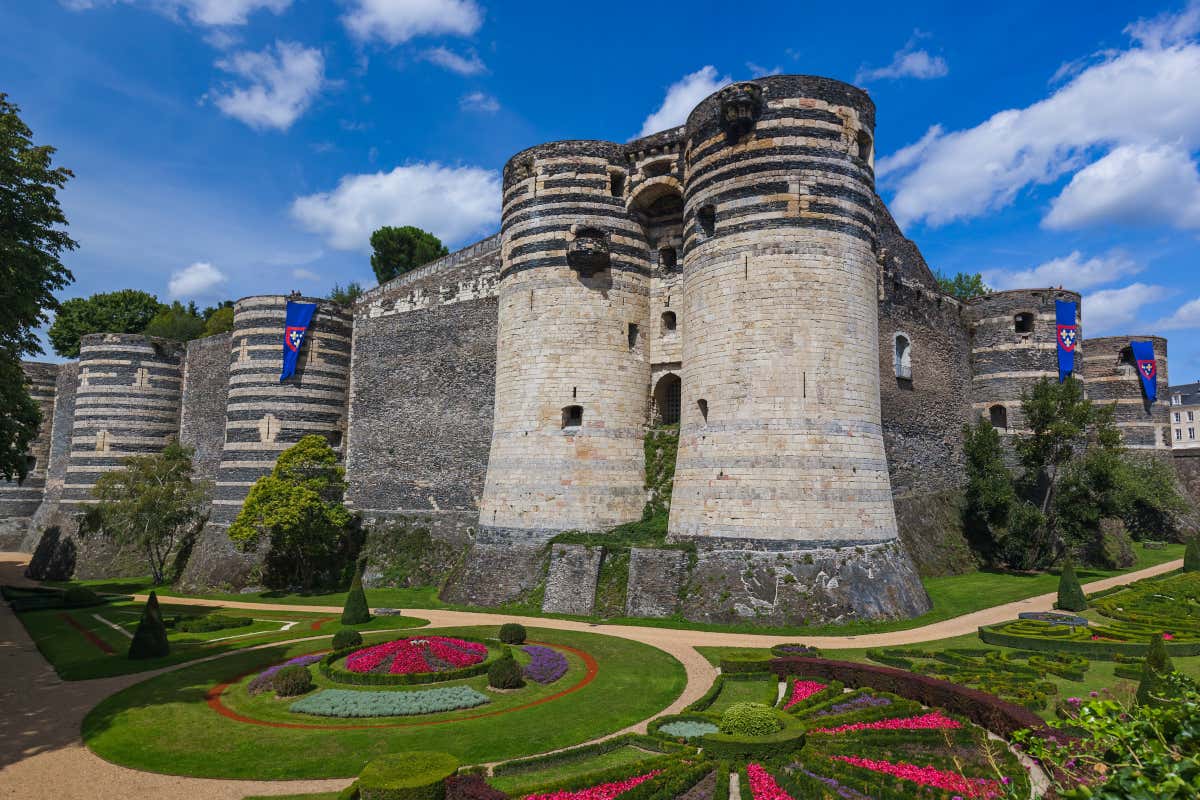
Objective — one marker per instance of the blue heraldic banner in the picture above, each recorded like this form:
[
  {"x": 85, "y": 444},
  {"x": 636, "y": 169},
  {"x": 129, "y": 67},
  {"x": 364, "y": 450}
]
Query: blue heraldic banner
[
  {"x": 299, "y": 316},
  {"x": 1147, "y": 367},
  {"x": 1068, "y": 337}
]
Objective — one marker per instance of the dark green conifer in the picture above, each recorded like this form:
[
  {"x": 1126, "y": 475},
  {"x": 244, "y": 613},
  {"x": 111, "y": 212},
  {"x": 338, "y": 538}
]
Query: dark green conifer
[
  {"x": 150, "y": 639},
  {"x": 1191, "y": 555},
  {"x": 357, "y": 611},
  {"x": 1154, "y": 688},
  {"x": 1070, "y": 593}
]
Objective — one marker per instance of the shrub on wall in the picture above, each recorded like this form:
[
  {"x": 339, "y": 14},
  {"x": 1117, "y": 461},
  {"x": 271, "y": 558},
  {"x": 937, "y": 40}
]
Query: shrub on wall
[
  {"x": 512, "y": 633},
  {"x": 1070, "y": 593},
  {"x": 150, "y": 639}
]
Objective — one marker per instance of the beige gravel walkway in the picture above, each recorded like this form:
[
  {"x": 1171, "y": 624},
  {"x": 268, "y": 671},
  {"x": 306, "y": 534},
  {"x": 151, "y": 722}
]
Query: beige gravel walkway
[{"x": 42, "y": 756}]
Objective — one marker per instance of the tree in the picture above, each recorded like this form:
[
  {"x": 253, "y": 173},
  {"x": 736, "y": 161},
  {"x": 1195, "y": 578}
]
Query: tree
[
  {"x": 964, "y": 285},
  {"x": 298, "y": 511},
  {"x": 150, "y": 639},
  {"x": 220, "y": 321},
  {"x": 346, "y": 296},
  {"x": 151, "y": 504},
  {"x": 1154, "y": 688},
  {"x": 356, "y": 610},
  {"x": 1191, "y": 555},
  {"x": 32, "y": 244},
  {"x": 989, "y": 492},
  {"x": 398, "y": 250},
  {"x": 1070, "y": 593},
  {"x": 177, "y": 322},
  {"x": 124, "y": 311}
]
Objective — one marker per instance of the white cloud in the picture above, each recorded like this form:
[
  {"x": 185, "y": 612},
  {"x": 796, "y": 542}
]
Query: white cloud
[
  {"x": 1132, "y": 185},
  {"x": 1111, "y": 311},
  {"x": 302, "y": 274},
  {"x": 454, "y": 203},
  {"x": 682, "y": 97},
  {"x": 1141, "y": 96},
  {"x": 478, "y": 101},
  {"x": 907, "y": 62},
  {"x": 759, "y": 71},
  {"x": 397, "y": 21},
  {"x": 909, "y": 155},
  {"x": 1072, "y": 271},
  {"x": 469, "y": 64},
  {"x": 1167, "y": 29},
  {"x": 200, "y": 12},
  {"x": 197, "y": 280},
  {"x": 282, "y": 85},
  {"x": 1186, "y": 316}
]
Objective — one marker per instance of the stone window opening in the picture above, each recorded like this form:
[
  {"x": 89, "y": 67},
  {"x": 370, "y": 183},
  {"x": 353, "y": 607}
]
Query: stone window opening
[
  {"x": 668, "y": 321},
  {"x": 633, "y": 335},
  {"x": 1023, "y": 322},
  {"x": 668, "y": 394},
  {"x": 657, "y": 168},
  {"x": 998, "y": 415},
  {"x": 1126, "y": 363},
  {"x": 572, "y": 417},
  {"x": 703, "y": 406},
  {"x": 706, "y": 217},
  {"x": 668, "y": 258},
  {"x": 863, "y": 140},
  {"x": 616, "y": 183},
  {"x": 902, "y": 358}
]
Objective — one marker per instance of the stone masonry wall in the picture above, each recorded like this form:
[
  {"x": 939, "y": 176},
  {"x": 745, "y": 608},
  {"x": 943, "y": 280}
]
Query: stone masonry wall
[
  {"x": 20, "y": 499},
  {"x": 1112, "y": 379},
  {"x": 571, "y": 582},
  {"x": 59, "y": 454},
  {"x": 202, "y": 420},
  {"x": 656, "y": 581}
]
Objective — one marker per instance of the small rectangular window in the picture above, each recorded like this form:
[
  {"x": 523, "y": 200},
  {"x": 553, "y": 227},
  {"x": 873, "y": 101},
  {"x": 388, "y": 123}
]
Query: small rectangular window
[
  {"x": 1191, "y": 433},
  {"x": 633, "y": 335},
  {"x": 1177, "y": 416},
  {"x": 703, "y": 406},
  {"x": 572, "y": 417},
  {"x": 1178, "y": 434},
  {"x": 668, "y": 259},
  {"x": 1191, "y": 416}
]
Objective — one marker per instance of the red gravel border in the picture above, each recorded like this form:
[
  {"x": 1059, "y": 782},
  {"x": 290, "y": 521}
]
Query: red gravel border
[
  {"x": 213, "y": 698},
  {"x": 87, "y": 633}
]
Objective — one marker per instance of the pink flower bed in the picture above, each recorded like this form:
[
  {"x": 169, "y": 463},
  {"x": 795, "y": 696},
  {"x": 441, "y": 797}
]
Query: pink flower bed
[
  {"x": 929, "y": 776},
  {"x": 417, "y": 654},
  {"x": 763, "y": 786},
  {"x": 932, "y": 721},
  {"x": 605, "y": 791},
  {"x": 802, "y": 690}
]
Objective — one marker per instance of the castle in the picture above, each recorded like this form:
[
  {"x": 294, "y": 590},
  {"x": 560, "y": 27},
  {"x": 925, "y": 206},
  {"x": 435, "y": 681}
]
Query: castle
[{"x": 737, "y": 275}]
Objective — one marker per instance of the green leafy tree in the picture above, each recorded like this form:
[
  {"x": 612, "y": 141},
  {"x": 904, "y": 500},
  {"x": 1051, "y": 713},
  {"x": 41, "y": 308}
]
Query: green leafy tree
[
  {"x": 1155, "y": 688},
  {"x": 964, "y": 285},
  {"x": 150, "y": 638},
  {"x": 989, "y": 492},
  {"x": 398, "y": 250},
  {"x": 1070, "y": 593},
  {"x": 346, "y": 295},
  {"x": 298, "y": 511},
  {"x": 220, "y": 321},
  {"x": 177, "y": 322},
  {"x": 1191, "y": 555},
  {"x": 124, "y": 311},
  {"x": 356, "y": 611},
  {"x": 151, "y": 505},
  {"x": 32, "y": 244}
]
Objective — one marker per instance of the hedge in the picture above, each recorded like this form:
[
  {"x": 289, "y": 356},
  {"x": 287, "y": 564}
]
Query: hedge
[
  {"x": 672, "y": 783},
  {"x": 721, "y": 792},
  {"x": 773, "y": 745},
  {"x": 985, "y": 710},
  {"x": 714, "y": 691},
  {"x": 739, "y": 662},
  {"x": 407, "y": 776},
  {"x": 606, "y": 775},
  {"x": 211, "y": 622},
  {"x": 338, "y": 674},
  {"x": 1097, "y": 651},
  {"x": 519, "y": 765}
]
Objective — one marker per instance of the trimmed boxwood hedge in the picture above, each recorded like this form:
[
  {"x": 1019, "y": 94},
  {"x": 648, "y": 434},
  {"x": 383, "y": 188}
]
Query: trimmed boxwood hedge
[
  {"x": 608, "y": 775},
  {"x": 771, "y": 746},
  {"x": 1097, "y": 651},
  {"x": 337, "y": 674},
  {"x": 708, "y": 698},
  {"x": 739, "y": 662},
  {"x": 415, "y": 775},
  {"x": 649, "y": 743}
]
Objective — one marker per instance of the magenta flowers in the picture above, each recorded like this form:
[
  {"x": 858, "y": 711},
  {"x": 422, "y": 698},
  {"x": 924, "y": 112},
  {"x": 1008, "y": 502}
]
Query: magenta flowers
[
  {"x": 933, "y": 721},
  {"x": 417, "y": 654},
  {"x": 928, "y": 776},
  {"x": 763, "y": 786},
  {"x": 802, "y": 690},
  {"x": 605, "y": 791}
]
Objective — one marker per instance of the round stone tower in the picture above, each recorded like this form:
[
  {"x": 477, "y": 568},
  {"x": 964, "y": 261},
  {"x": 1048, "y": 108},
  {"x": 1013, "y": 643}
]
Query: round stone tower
[
  {"x": 571, "y": 366},
  {"x": 1014, "y": 344},
  {"x": 127, "y": 403},
  {"x": 264, "y": 417},
  {"x": 781, "y": 448},
  {"x": 19, "y": 500},
  {"x": 1111, "y": 374}
]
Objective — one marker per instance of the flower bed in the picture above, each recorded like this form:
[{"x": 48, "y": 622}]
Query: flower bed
[
  {"x": 605, "y": 791},
  {"x": 856, "y": 703},
  {"x": 763, "y": 786},
  {"x": 349, "y": 703},
  {"x": 802, "y": 690},
  {"x": 992, "y": 671},
  {"x": 417, "y": 654},
  {"x": 262, "y": 681},
  {"x": 933, "y": 721},
  {"x": 546, "y": 664},
  {"x": 928, "y": 776}
]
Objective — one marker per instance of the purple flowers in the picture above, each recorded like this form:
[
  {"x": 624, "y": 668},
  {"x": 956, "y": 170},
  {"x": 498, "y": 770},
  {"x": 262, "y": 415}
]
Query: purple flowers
[
  {"x": 547, "y": 665},
  {"x": 843, "y": 791},
  {"x": 262, "y": 681},
  {"x": 854, "y": 704}
]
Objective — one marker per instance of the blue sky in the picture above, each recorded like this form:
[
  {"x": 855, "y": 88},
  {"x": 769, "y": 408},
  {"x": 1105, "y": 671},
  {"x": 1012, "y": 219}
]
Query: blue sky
[{"x": 229, "y": 147}]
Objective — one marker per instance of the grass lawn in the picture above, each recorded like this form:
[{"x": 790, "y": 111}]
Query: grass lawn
[
  {"x": 745, "y": 691},
  {"x": 518, "y": 783},
  {"x": 952, "y": 596},
  {"x": 76, "y": 655},
  {"x": 164, "y": 724}
]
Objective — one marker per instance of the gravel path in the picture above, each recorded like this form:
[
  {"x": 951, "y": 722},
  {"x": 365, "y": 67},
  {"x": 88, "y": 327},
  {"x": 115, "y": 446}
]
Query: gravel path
[{"x": 42, "y": 756}]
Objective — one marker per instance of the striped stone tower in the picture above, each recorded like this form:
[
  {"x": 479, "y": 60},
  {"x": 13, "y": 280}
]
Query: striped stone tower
[
  {"x": 126, "y": 403},
  {"x": 1014, "y": 344},
  {"x": 264, "y": 417},
  {"x": 1110, "y": 372},
  {"x": 19, "y": 501},
  {"x": 572, "y": 369}
]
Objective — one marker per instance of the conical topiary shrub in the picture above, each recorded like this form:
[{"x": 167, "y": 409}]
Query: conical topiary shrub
[
  {"x": 356, "y": 611},
  {"x": 1070, "y": 593},
  {"x": 150, "y": 640},
  {"x": 1191, "y": 555},
  {"x": 1153, "y": 689}
]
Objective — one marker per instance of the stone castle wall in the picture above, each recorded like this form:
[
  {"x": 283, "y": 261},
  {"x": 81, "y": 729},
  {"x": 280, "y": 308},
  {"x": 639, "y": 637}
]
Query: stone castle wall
[
  {"x": 202, "y": 420},
  {"x": 19, "y": 500},
  {"x": 1111, "y": 375}
]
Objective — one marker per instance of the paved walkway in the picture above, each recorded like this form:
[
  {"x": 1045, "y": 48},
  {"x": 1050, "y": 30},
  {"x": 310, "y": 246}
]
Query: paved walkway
[{"x": 42, "y": 755}]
